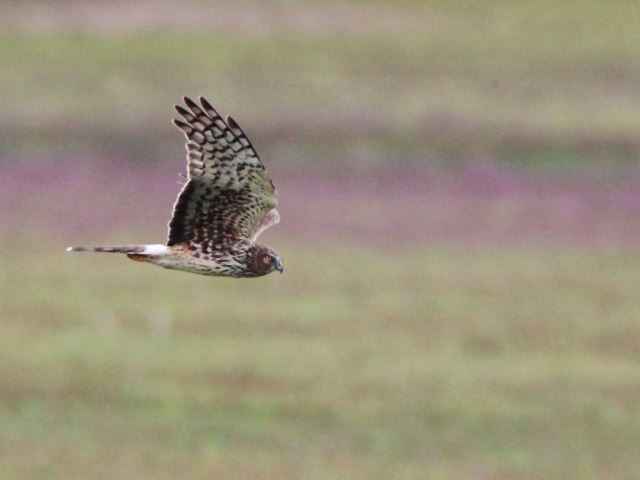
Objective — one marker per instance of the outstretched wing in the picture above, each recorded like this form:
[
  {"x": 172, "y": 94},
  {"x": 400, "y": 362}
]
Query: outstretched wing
[{"x": 229, "y": 197}]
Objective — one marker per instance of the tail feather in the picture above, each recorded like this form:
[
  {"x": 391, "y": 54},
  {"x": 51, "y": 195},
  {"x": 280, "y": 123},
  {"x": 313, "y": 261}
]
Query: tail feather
[
  {"x": 142, "y": 249},
  {"x": 112, "y": 249}
]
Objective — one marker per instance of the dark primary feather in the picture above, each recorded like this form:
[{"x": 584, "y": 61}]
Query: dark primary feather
[{"x": 228, "y": 193}]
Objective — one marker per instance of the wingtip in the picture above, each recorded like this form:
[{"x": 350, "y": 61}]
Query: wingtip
[
  {"x": 205, "y": 103},
  {"x": 232, "y": 123},
  {"x": 190, "y": 103},
  {"x": 181, "y": 110},
  {"x": 184, "y": 127}
]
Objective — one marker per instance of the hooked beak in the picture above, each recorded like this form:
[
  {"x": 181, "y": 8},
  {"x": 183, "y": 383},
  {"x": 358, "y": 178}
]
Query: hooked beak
[{"x": 280, "y": 266}]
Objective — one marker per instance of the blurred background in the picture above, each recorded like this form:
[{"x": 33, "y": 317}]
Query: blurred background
[{"x": 460, "y": 197}]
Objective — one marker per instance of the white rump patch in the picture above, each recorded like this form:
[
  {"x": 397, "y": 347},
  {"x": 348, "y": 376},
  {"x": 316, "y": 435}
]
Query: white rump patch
[{"x": 155, "y": 249}]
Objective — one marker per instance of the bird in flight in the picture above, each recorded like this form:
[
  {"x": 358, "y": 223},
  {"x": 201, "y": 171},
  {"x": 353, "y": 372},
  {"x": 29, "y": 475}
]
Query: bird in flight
[{"x": 228, "y": 200}]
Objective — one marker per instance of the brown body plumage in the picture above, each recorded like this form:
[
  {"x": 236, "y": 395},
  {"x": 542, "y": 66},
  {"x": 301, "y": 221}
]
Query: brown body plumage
[{"x": 226, "y": 203}]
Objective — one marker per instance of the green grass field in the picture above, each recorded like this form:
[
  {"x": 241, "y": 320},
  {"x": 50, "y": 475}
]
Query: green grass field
[
  {"x": 437, "y": 363},
  {"x": 513, "y": 79}
]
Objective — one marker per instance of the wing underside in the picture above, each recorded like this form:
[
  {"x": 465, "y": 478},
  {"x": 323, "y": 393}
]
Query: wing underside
[{"x": 229, "y": 196}]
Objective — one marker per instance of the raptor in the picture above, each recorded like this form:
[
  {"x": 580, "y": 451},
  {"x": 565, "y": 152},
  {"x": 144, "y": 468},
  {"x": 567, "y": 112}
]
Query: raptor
[{"x": 226, "y": 203}]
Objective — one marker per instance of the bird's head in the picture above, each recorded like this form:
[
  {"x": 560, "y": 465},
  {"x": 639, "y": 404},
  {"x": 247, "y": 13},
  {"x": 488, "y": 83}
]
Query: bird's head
[{"x": 262, "y": 260}]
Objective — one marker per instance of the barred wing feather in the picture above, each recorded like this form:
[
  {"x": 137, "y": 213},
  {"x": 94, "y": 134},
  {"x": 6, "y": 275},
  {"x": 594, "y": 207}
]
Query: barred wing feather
[{"x": 229, "y": 197}]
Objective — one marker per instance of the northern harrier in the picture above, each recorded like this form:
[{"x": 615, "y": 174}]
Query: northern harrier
[{"x": 226, "y": 203}]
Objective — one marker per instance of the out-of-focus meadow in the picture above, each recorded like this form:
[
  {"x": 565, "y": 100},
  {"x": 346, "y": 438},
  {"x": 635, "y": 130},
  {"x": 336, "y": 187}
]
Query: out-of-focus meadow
[{"x": 460, "y": 198}]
